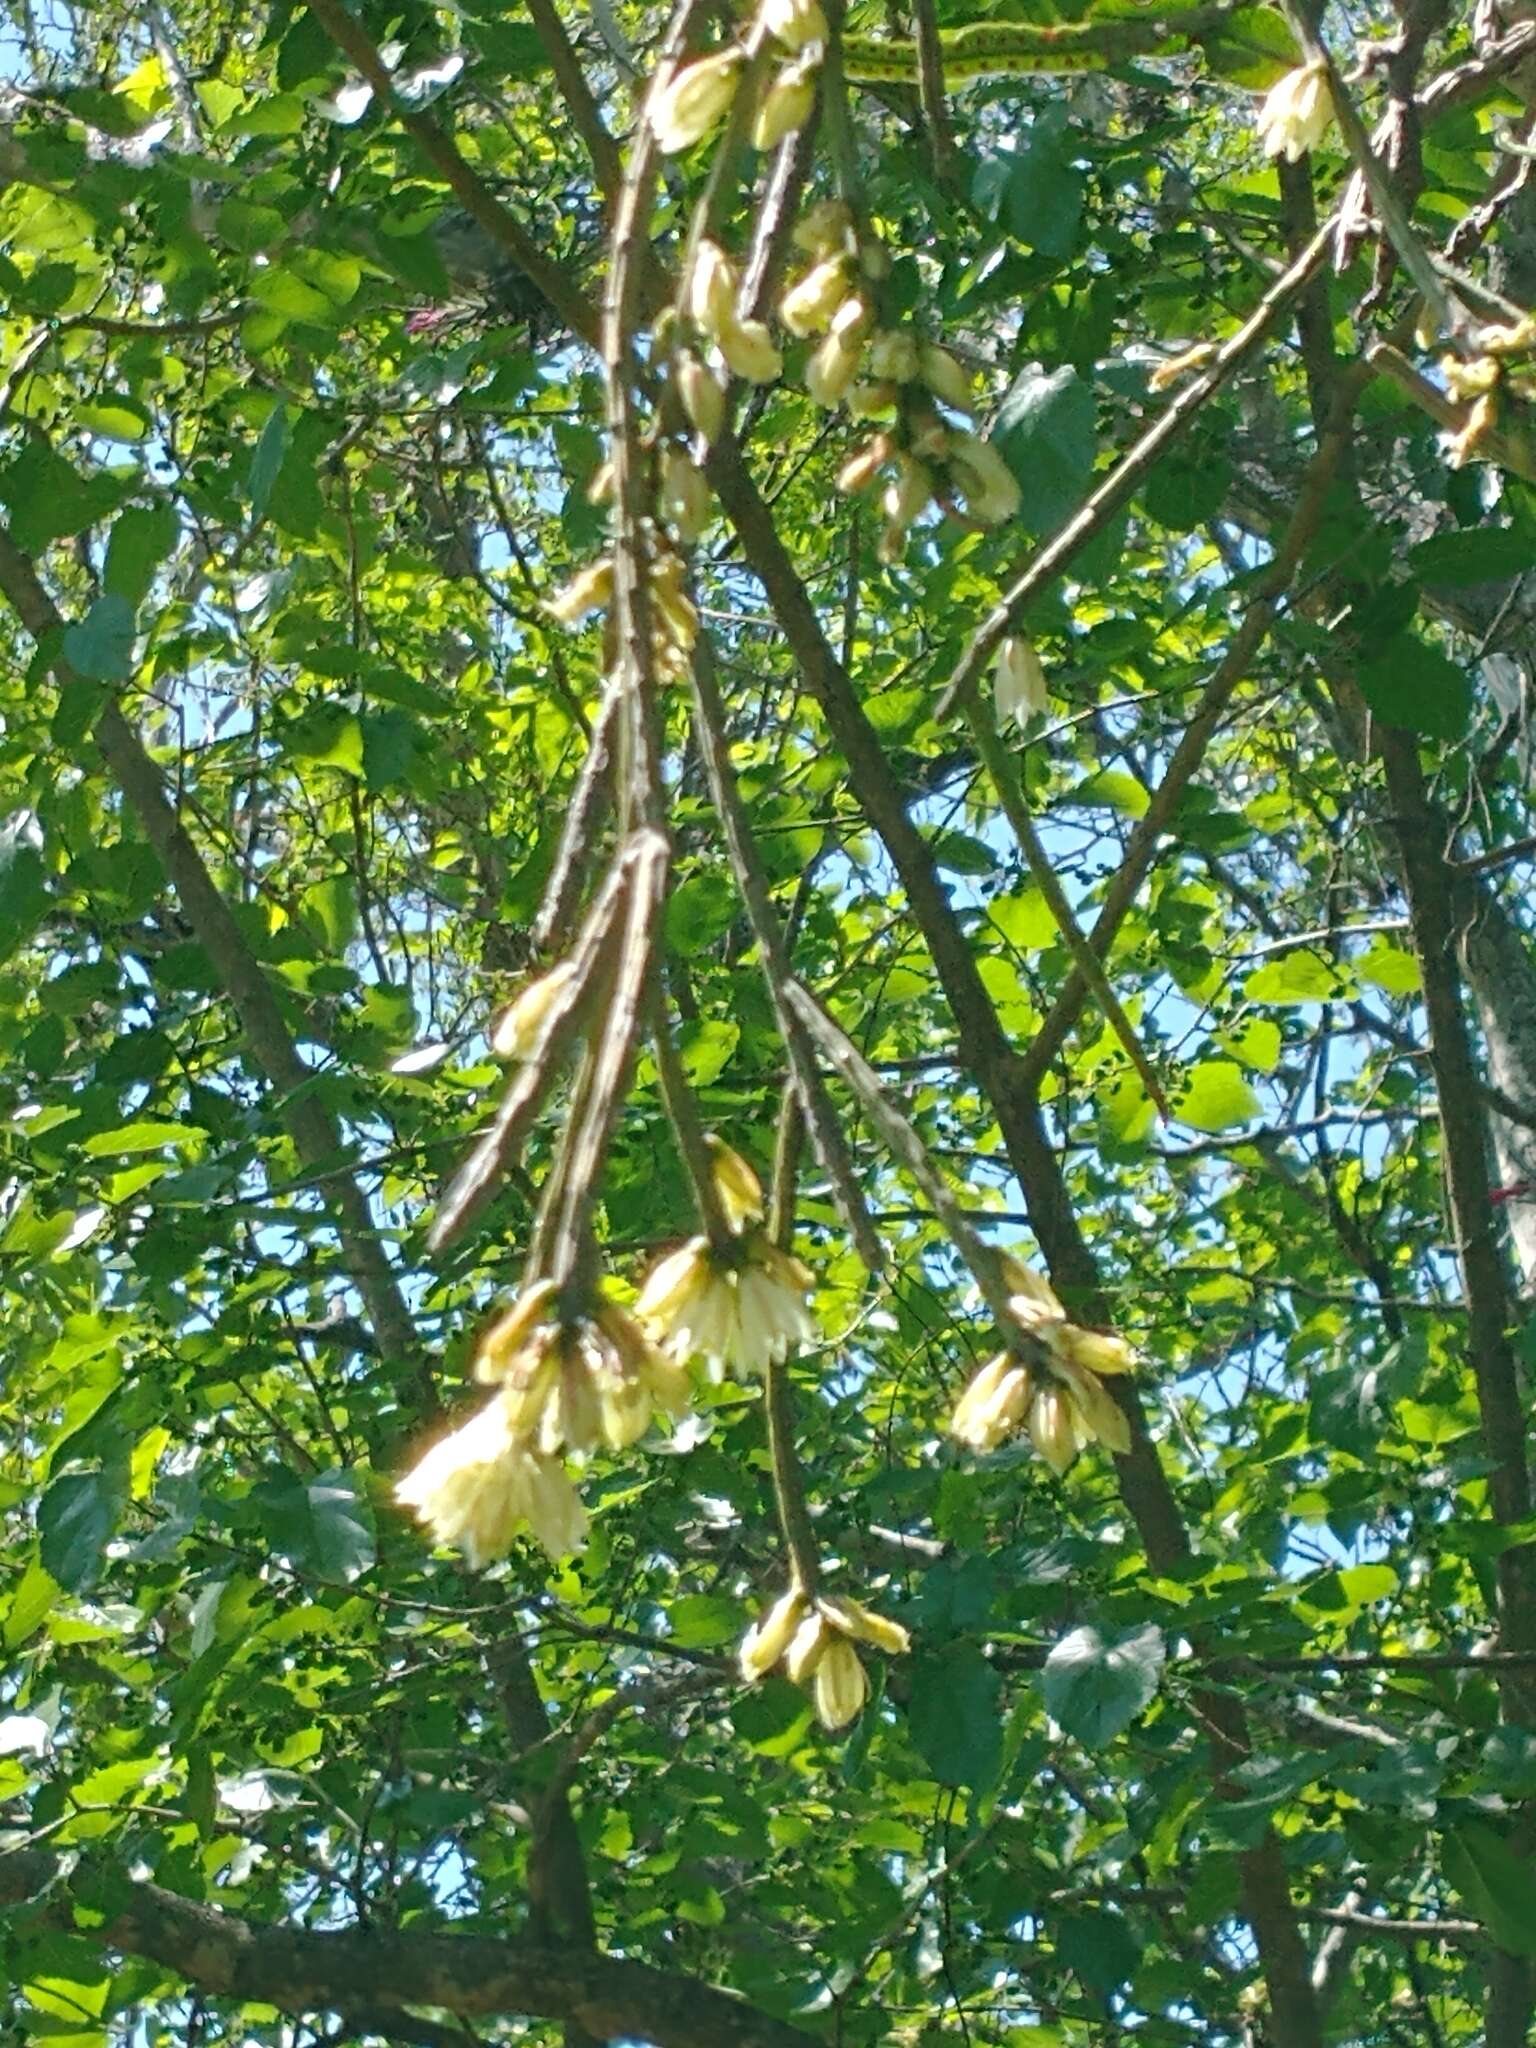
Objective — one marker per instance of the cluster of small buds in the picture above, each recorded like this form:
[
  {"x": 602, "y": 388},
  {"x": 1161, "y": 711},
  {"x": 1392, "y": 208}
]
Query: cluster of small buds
[
  {"x": 699, "y": 94},
  {"x": 920, "y": 456},
  {"x": 564, "y": 1387},
  {"x": 1297, "y": 113},
  {"x": 1018, "y": 681},
  {"x": 814, "y": 1636},
  {"x": 739, "y": 1307},
  {"x": 1060, "y": 1398}
]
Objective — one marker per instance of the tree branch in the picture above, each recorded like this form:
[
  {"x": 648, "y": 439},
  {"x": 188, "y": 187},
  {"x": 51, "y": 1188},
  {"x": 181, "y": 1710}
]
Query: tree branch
[{"x": 300, "y": 1971}]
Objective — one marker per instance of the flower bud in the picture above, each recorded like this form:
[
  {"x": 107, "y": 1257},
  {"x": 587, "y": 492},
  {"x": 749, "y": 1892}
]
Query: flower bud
[
  {"x": 686, "y": 502},
  {"x": 794, "y": 23},
  {"x": 826, "y": 226},
  {"x": 589, "y": 591},
  {"x": 785, "y": 106},
  {"x": 1097, "y": 1351},
  {"x": 712, "y": 289},
  {"x": 516, "y": 1031},
  {"x": 993, "y": 1405},
  {"x": 908, "y": 493},
  {"x": 695, "y": 100},
  {"x": 853, "y": 1618},
  {"x": 739, "y": 1189},
  {"x": 831, "y": 370},
  {"x": 748, "y": 348},
  {"x": 1018, "y": 680},
  {"x": 1297, "y": 113},
  {"x": 676, "y": 615},
  {"x": 1051, "y": 1428},
  {"x": 806, "y": 1648},
  {"x": 702, "y": 395},
  {"x": 868, "y": 399},
  {"x": 770, "y": 1635},
  {"x": 503, "y": 1338},
  {"x": 841, "y": 1687},
  {"x": 893, "y": 355},
  {"x": 991, "y": 489},
  {"x": 946, "y": 377},
  {"x": 927, "y": 435},
  {"x": 1099, "y": 1413},
  {"x": 623, "y": 1411},
  {"x": 808, "y": 307}
]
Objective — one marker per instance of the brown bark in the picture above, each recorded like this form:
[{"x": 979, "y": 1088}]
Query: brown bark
[{"x": 227, "y": 1956}]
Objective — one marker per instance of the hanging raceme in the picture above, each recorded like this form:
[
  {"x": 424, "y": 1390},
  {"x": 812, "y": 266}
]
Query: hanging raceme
[
  {"x": 482, "y": 1483},
  {"x": 813, "y": 1635},
  {"x": 1051, "y": 1383}
]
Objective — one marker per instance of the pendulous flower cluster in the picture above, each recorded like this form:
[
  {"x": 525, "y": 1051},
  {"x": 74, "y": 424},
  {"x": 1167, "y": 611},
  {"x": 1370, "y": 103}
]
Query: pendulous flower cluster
[
  {"x": 563, "y": 1387},
  {"x": 1059, "y": 1396},
  {"x": 739, "y": 1307},
  {"x": 921, "y": 456},
  {"x": 814, "y": 1636}
]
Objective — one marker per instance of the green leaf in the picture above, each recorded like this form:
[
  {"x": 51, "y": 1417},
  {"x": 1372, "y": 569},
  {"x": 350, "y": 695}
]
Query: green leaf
[
  {"x": 283, "y": 293},
  {"x": 23, "y": 885},
  {"x": 699, "y": 910},
  {"x": 324, "y": 1525},
  {"x": 1252, "y": 47},
  {"x": 1480, "y": 554},
  {"x": 267, "y": 459},
  {"x": 1418, "y": 689},
  {"x": 1111, "y": 789},
  {"x": 704, "y": 1621},
  {"x": 1389, "y": 967},
  {"x": 1035, "y": 186},
  {"x": 142, "y": 537},
  {"x": 1215, "y": 1097},
  {"x": 1046, "y": 431},
  {"x": 146, "y": 1135},
  {"x": 100, "y": 646},
  {"x": 955, "y": 1715},
  {"x": 1298, "y": 976},
  {"x": 75, "y": 1517},
  {"x": 1100, "y": 1948},
  {"x": 1096, "y": 1685},
  {"x": 1025, "y": 920},
  {"x": 707, "y": 1047},
  {"x": 35, "y": 1593},
  {"x": 1495, "y": 1882}
]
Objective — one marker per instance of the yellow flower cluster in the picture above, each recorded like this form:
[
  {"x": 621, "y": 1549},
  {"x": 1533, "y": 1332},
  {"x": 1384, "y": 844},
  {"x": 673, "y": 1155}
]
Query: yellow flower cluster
[
  {"x": 1059, "y": 1398},
  {"x": 921, "y": 456},
  {"x": 562, "y": 1387},
  {"x": 740, "y": 1307},
  {"x": 674, "y": 617},
  {"x": 814, "y": 1635}
]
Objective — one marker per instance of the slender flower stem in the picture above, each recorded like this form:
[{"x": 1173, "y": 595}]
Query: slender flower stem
[{"x": 789, "y": 1478}]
